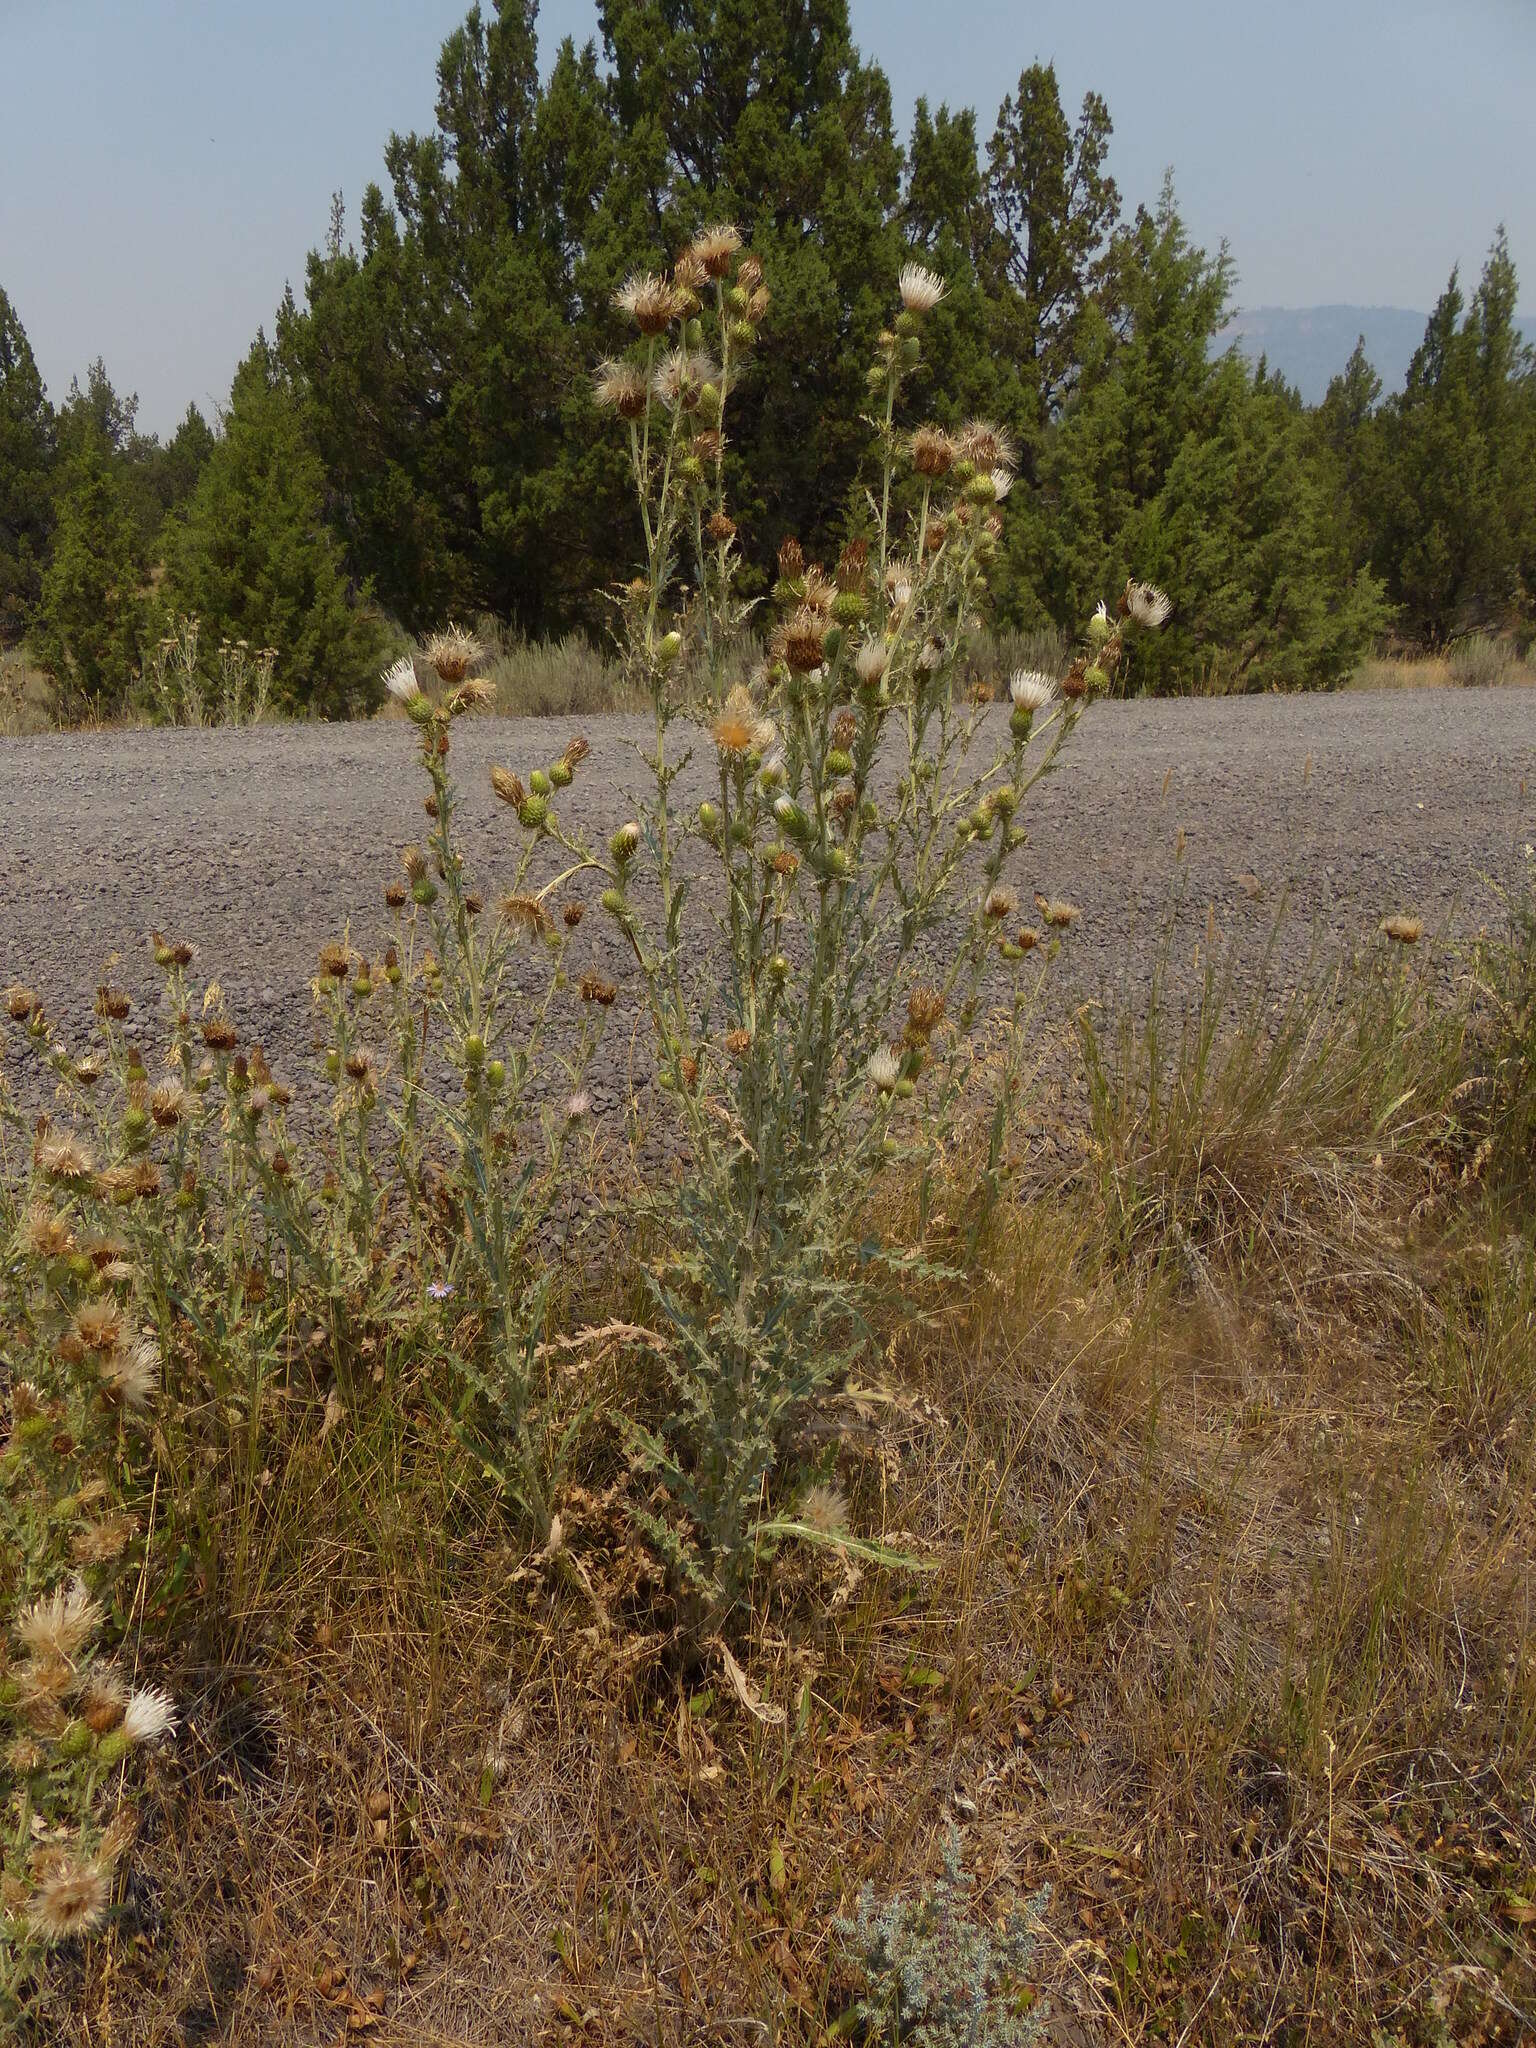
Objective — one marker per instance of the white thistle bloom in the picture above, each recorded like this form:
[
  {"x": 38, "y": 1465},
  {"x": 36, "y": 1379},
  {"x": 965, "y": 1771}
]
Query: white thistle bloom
[
  {"x": 400, "y": 680},
  {"x": 149, "y": 1714},
  {"x": 1002, "y": 483},
  {"x": 577, "y": 1106},
  {"x": 1101, "y": 615},
  {"x": 884, "y": 1069},
  {"x": 871, "y": 661},
  {"x": 921, "y": 288},
  {"x": 1031, "y": 691},
  {"x": 59, "y": 1624},
  {"x": 1148, "y": 605}
]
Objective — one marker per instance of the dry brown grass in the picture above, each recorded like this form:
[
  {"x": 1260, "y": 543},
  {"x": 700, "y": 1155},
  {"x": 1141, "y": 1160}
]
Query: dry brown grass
[
  {"x": 1227, "y": 1636},
  {"x": 1480, "y": 660}
]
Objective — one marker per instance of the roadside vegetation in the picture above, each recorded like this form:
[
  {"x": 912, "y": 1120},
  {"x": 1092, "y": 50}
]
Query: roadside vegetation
[{"x": 930, "y": 1534}]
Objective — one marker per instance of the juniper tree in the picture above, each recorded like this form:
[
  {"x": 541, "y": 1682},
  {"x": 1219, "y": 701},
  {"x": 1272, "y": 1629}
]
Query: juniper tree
[{"x": 26, "y": 457}]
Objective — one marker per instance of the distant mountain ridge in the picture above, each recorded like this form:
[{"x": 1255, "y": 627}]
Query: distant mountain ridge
[{"x": 1308, "y": 345}]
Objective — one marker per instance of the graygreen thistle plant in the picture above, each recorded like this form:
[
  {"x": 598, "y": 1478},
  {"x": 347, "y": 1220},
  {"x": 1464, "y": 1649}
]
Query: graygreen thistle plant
[
  {"x": 936, "y": 1977},
  {"x": 860, "y": 831}
]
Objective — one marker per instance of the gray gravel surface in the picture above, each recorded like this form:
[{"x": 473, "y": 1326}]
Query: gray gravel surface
[{"x": 257, "y": 846}]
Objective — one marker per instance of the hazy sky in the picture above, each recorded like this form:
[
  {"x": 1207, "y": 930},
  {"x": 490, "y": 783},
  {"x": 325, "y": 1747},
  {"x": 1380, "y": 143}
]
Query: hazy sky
[{"x": 165, "y": 164}]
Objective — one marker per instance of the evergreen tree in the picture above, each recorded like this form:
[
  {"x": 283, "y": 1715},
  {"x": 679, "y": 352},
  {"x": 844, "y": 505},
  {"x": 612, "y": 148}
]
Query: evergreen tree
[
  {"x": 26, "y": 459},
  {"x": 91, "y": 610},
  {"x": 252, "y": 557}
]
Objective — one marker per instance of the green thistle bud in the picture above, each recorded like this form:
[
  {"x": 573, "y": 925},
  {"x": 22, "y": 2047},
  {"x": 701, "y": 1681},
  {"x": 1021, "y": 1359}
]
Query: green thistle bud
[
  {"x": 539, "y": 782},
  {"x": 669, "y": 647},
  {"x": 1099, "y": 629},
  {"x": 742, "y": 333},
  {"x": 907, "y": 322},
  {"x": 792, "y": 820},
  {"x": 831, "y": 642},
  {"x": 869, "y": 814},
  {"x": 533, "y": 813},
  {"x": 839, "y": 866},
  {"x": 34, "y": 1429},
  {"x": 112, "y": 1748},
  {"x": 849, "y": 607},
  {"x": 737, "y": 300},
  {"x": 362, "y": 987},
  {"x": 874, "y": 378},
  {"x": 980, "y": 822},
  {"x": 135, "y": 1126},
  {"x": 613, "y": 901},
  {"x": 1097, "y": 678},
  {"x": 710, "y": 405},
  {"x": 691, "y": 470},
  {"x": 693, "y": 332},
  {"x": 75, "y": 1740},
  {"x": 981, "y": 490},
  {"x": 333, "y": 1065},
  {"x": 419, "y": 710},
  {"x": 911, "y": 351},
  {"x": 80, "y": 1268},
  {"x": 625, "y": 843},
  {"x": 496, "y": 1073},
  {"x": 1016, "y": 837},
  {"x": 709, "y": 820},
  {"x": 839, "y": 762},
  {"x": 905, "y": 1089},
  {"x": 560, "y": 774},
  {"x": 1019, "y": 724},
  {"x": 1010, "y": 951},
  {"x": 741, "y": 831},
  {"x": 778, "y": 968},
  {"x": 424, "y": 892},
  {"x": 474, "y": 1049}
]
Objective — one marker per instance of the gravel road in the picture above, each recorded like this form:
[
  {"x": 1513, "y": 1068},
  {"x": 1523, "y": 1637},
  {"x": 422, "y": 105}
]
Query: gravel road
[{"x": 257, "y": 846}]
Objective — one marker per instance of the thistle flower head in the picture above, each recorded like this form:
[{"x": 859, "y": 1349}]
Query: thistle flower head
[
  {"x": 736, "y": 726},
  {"x": 802, "y": 640},
  {"x": 1405, "y": 931},
  {"x": 473, "y": 694},
  {"x": 98, "y": 1324},
  {"x": 1002, "y": 484},
  {"x": 825, "y": 1510},
  {"x": 60, "y": 1155},
  {"x": 872, "y": 661},
  {"x": 19, "y": 1002},
  {"x": 620, "y": 386},
  {"x": 1000, "y": 903},
  {"x": 883, "y": 1070},
  {"x": 680, "y": 377},
  {"x": 46, "y": 1235},
  {"x": 507, "y": 786},
  {"x": 1031, "y": 691},
  {"x": 149, "y": 1714},
  {"x": 577, "y": 1106},
  {"x": 1057, "y": 912},
  {"x": 712, "y": 248},
  {"x": 933, "y": 452},
  {"x": 400, "y": 680},
  {"x": 925, "y": 1011},
  {"x": 130, "y": 1374},
  {"x": 453, "y": 653},
  {"x": 71, "y": 1900},
  {"x": 988, "y": 445},
  {"x": 58, "y": 1624},
  {"x": 168, "y": 1104},
  {"x": 1147, "y": 606},
  {"x": 526, "y": 914},
  {"x": 650, "y": 301},
  {"x": 921, "y": 288}
]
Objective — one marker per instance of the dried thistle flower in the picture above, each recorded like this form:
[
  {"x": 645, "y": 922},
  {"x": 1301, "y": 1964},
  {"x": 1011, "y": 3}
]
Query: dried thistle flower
[
  {"x": 650, "y": 301},
  {"x": 713, "y": 248},
  {"x": 1056, "y": 912},
  {"x": 526, "y": 913},
  {"x": 170, "y": 952},
  {"x": 738, "y": 1043},
  {"x": 720, "y": 526},
  {"x": 872, "y": 661},
  {"x": 736, "y": 723},
  {"x": 103, "y": 1699},
  {"x": 925, "y": 1011},
  {"x": 1000, "y": 903},
  {"x": 20, "y": 1002},
  {"x": 473, "y": 694},
  {"x": 58, "y": 1624},
  {"x": 621, "y": 387},
  {"x": 72, "y": 1900},
  {"x": 921, "y": 288},
  {"x": 802, "y": 640},
  {"x": 219, "y": 1035},
  {"x": 577, "y": 1106},
  {"x": 1406, "y": 931},
  {"x": 988, "y": 445},
  {"x": 101, "y": 1542},
  {"x": 334, "y": 961},
  {"x": 576, "y": 750},
  {"x": 681, "y": 376},
  {"x": 98, "y": 1324},
  {"x": 595, "y": 990},
  {"x": 131, "y": 1375},
  {"x": 1026, "y": 938},
  {"x": 507, "y": 786},
  {"x": 414, "y": 861},
  {"x": 453, "y": 653},
  {"x": 573, "y": 913},
  {"x": 825, "y": 1510},
  {"x": 46, "y": 1235},
  {"x": 933, "y": 452}
]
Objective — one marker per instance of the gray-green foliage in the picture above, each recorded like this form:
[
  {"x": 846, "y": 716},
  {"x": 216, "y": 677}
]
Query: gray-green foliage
[{"x": 937, "y": 1977}]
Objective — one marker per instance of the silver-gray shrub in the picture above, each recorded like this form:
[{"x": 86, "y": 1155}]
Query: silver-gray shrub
[{"x": 935, "y": 1976}]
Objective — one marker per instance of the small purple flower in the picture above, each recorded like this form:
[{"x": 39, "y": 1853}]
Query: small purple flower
[{"x": 439, "y": 1289}]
